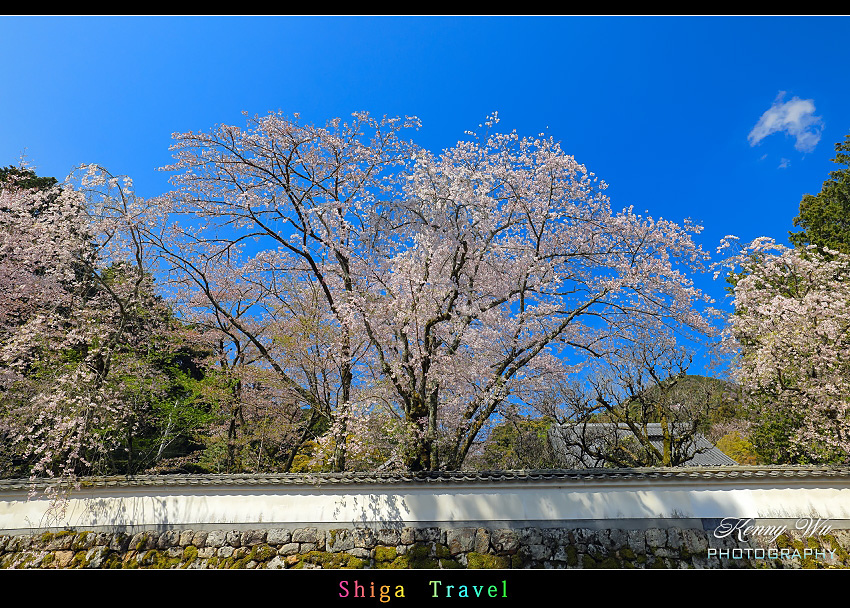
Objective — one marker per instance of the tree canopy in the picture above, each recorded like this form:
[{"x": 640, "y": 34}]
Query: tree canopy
[
  {"x": 326, "y": 297},
  {"x": 441, "y": 282},
  {"x": 825, "y": 217}
]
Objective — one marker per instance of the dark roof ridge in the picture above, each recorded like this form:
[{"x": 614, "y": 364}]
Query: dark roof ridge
[{"x": 505, "y": 476}]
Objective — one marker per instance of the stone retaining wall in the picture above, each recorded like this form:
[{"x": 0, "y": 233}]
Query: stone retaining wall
[{"x": 410, "y": 547}]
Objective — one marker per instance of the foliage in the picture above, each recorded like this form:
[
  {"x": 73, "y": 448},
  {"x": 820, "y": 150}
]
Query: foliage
[
  {"x": 86, "y": 347},
  {"x": 326, "y": 298},
  {"x": 739, "y": 449},
  {"x": 825, "y": 217},
  {"x": 518, "y": 443},
  {"x": 25, "y": 179},
  {"x": 790, "y": 332},
  {"x": 790, "y": 329},
  {"x": 638, "y": 408},
  {"x": 421, "y": 289}
]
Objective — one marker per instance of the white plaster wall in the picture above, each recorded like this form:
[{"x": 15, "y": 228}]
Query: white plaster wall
[{"x": 411, "y": 504}]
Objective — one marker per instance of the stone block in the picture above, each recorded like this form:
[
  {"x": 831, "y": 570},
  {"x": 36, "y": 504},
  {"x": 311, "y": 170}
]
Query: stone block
[
  {"x": 636, "y": 540},
  {"x": 363, "y": 538},
  {"x": 656, "y": 537},
  {"x": 250, "y": 538},
  {"x": 63, "y": 559},
  {"x": 360, "y": 553},
  {"x": 169, "y": 538},
  {"x": 407, "y": 536},
  {"x": 340, "y": 540},
  {"x": 96, "y": 556},
  {"x": 278, "y": 536},
  {"x": 428, "y": 535},
  {"x": 225, "y": 551},
  {"x": 289, "y": 549},
  {"x": 539, "y": 552},
  {"x": 119, "y": 542},
  {"x": 199, "y": 538},
  {"x": 617, "y": 539},
  {"x": 695, "y": 541},
  {"x": 460, "y": 540},
  {"x": 674, "y": 538},
  {"x": 234, "y": 538},
  {"x": 139, "y": 542},
  {"x": 530, "y": 536},
  {"x": 216, "y": 538},
  {"x": 60, "y": 542},
  {"x": 482, "y": 540},
  {"x": 305, "y": 535},
  {"x": 505, "y": 541},
  {"x": 388, "y": 536}
]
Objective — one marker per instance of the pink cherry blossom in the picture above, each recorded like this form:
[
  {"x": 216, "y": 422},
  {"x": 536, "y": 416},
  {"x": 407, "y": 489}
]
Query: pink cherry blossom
[{"x": 438, "y": 282}]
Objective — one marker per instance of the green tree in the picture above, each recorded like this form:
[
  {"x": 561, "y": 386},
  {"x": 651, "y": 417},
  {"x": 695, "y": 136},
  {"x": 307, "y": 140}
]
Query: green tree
[
  {"x": 825, "y": 217},
  {"x": 97, "y": 375},
  {"x": 25, "y": 178},
  {"x": 519, "y": 443}
]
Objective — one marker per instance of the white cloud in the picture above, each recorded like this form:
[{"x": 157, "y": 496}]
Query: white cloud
[
  {"x": 784, "y": 163},
  {"x": 795, "y": 117}
]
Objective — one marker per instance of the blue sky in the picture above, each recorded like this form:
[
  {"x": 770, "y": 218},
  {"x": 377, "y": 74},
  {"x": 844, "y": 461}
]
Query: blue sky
[{"x": 726, "y": 120}]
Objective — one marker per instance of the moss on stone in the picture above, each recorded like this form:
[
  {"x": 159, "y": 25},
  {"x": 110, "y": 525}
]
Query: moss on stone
[
  {"x": 572, "y": 556},
  {"x": 47, "y": 537},
  {"x": 143, "y": 541},
  {"x": 783, "y": 541},
  {"x": 840, "y": 552},
  {"x": 190, "y": 554},
  {"x": 262, "y": 553},
  {"x": 326, "y": 559},
  {"x": 79, "y": 543},
  {"x": 159, "y": 560},
  {"x": 419, "y": 551},
  {"x": 79, "y": 560},
  {"x": 385, "y": 554},
  {"x": 401, "y": 562},
  {"x": 442, "y": 551},
  {"x": 488, "y": 561},
  {"x": 112, "y": 561}
]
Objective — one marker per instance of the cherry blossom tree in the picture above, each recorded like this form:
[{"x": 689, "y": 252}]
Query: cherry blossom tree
[
  {"x": 506, "y": 259},
  {"x": 443, "y": 281},
  {"x": 78, "y": 310},
  {"x": 791, "y": 329},
  {"x": 638, "y": 407},
  {"x": 270, "y": 215}
]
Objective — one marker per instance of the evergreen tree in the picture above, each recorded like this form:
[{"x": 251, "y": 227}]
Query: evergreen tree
[{"x": 825, "y": 217}]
